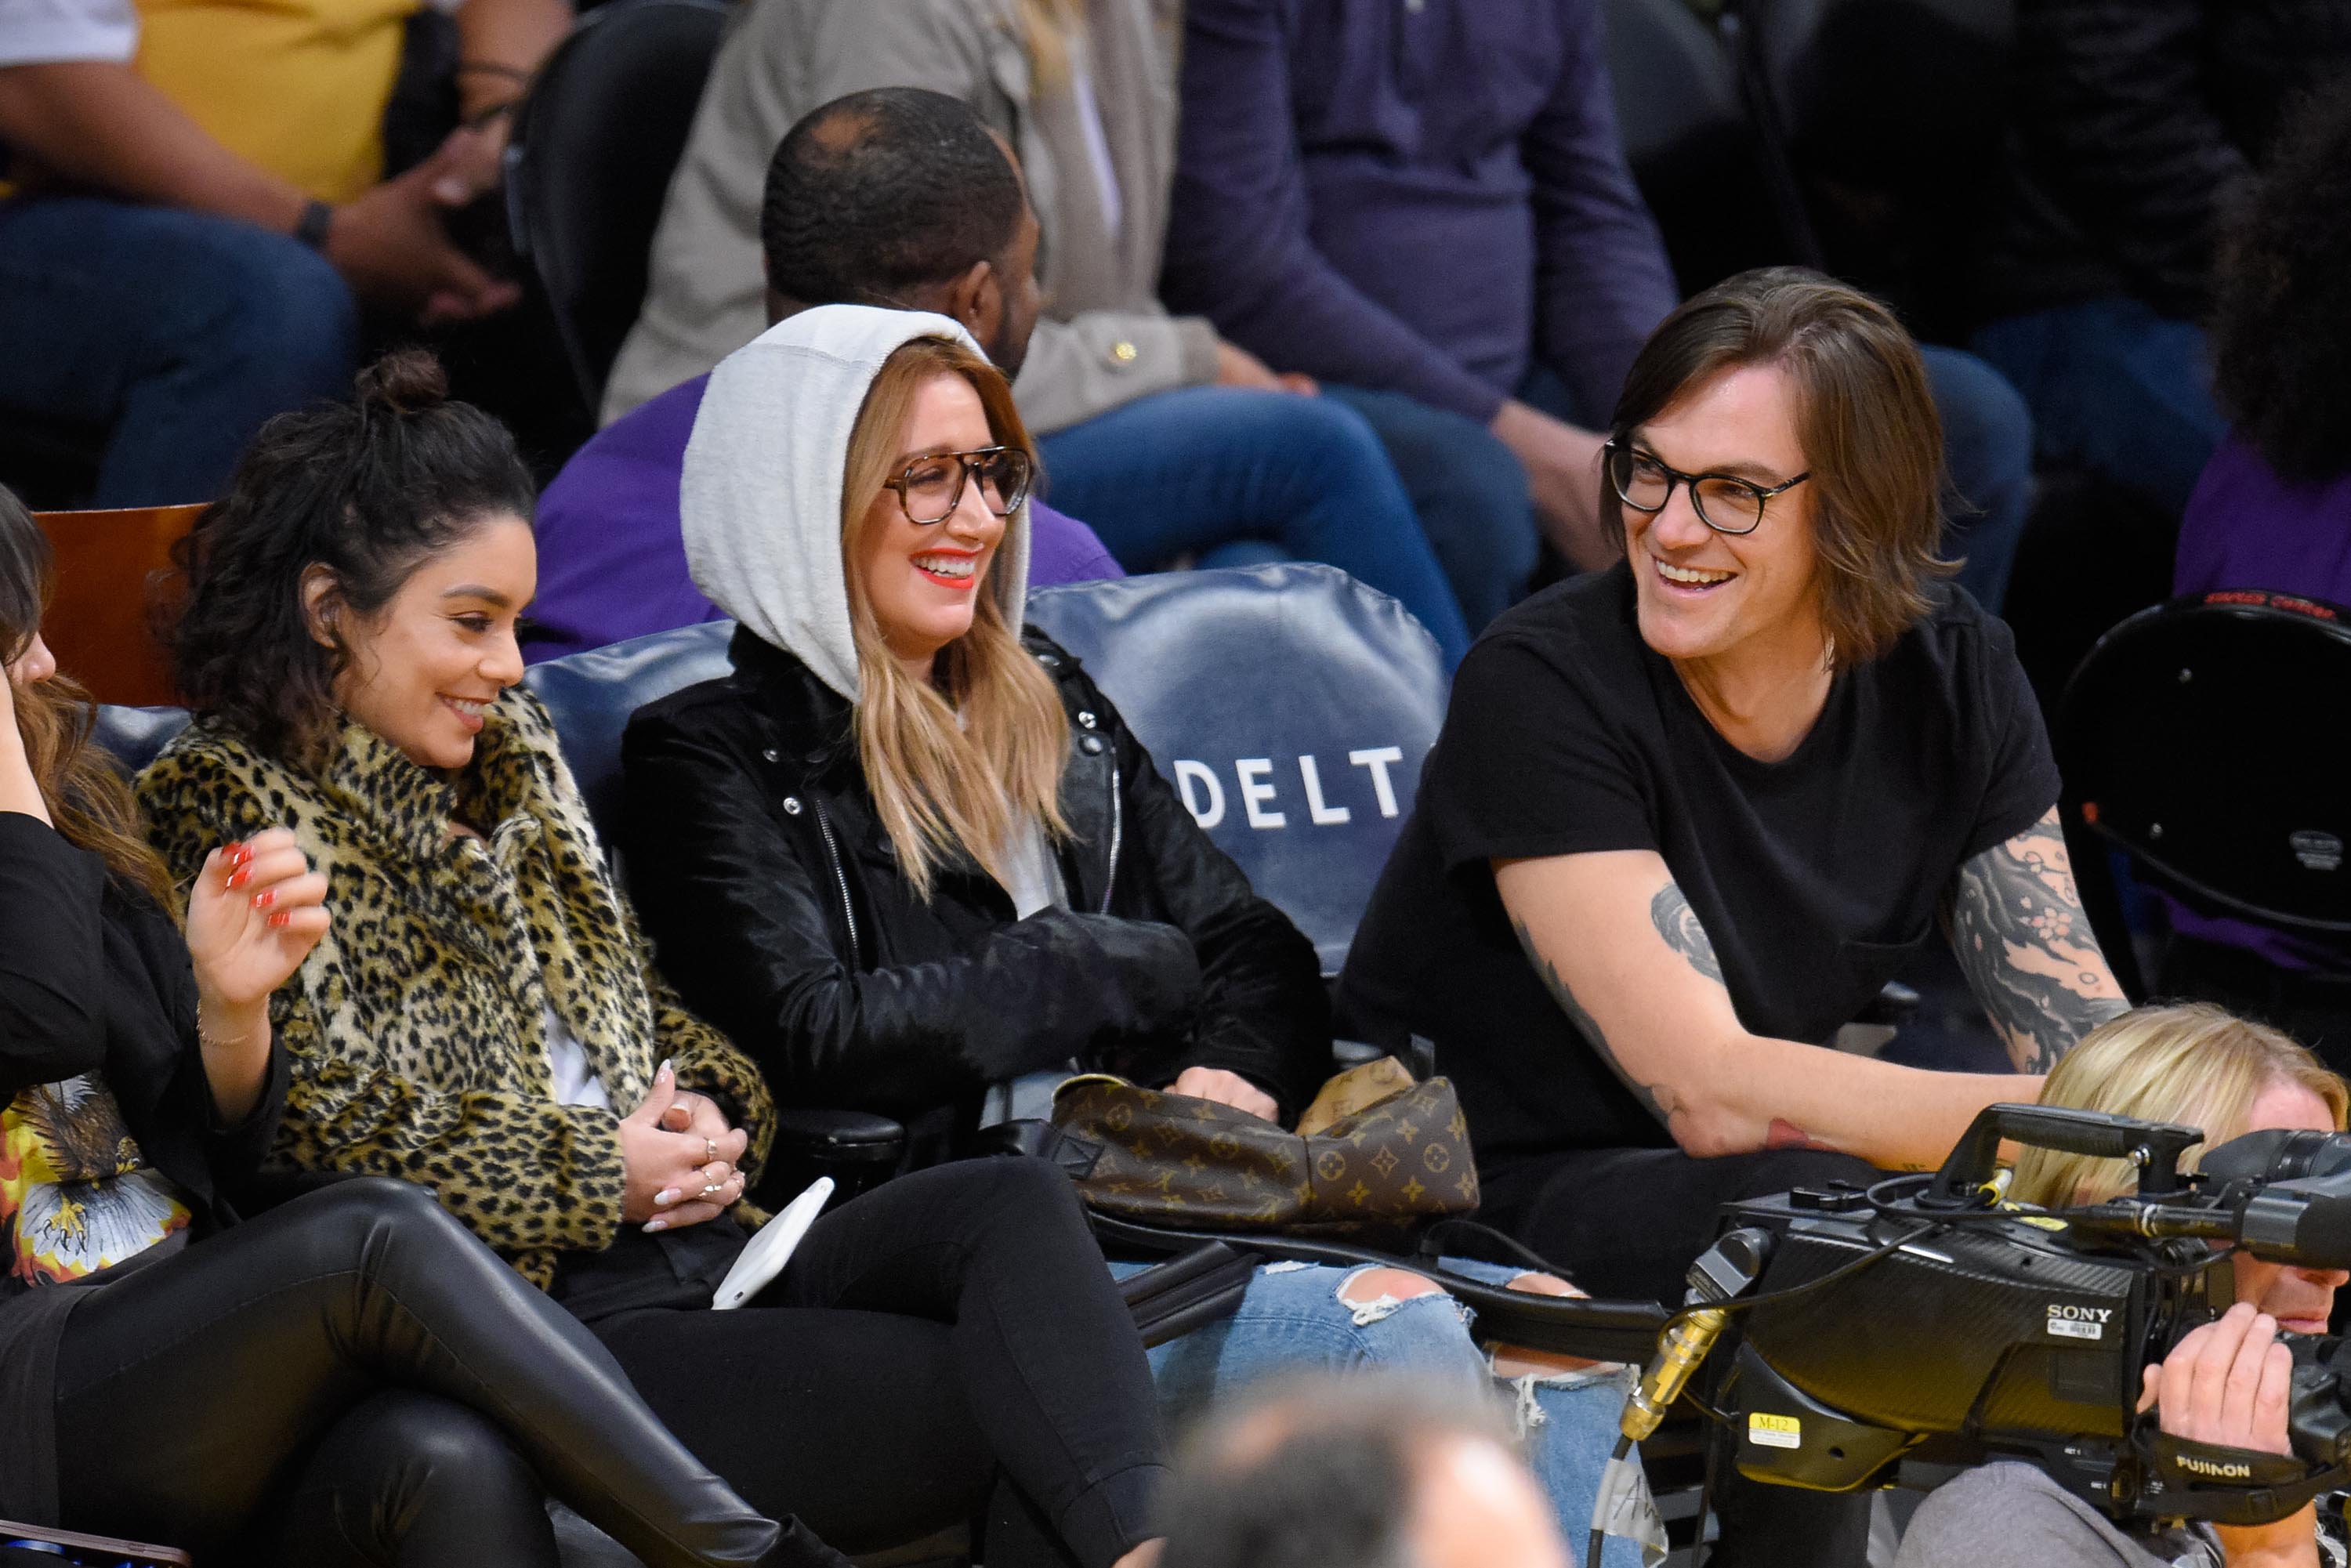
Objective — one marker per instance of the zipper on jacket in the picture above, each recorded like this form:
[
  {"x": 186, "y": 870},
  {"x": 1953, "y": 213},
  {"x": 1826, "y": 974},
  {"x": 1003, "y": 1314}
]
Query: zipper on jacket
[
  {"x": 1116, "y": 823},
  {"x": 840, "y": 877}
]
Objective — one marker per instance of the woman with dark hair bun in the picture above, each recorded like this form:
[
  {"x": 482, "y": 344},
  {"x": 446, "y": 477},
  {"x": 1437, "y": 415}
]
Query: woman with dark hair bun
[
  {"x": 485, "y": 1020},
  {"x": 350, "y": 1378}
]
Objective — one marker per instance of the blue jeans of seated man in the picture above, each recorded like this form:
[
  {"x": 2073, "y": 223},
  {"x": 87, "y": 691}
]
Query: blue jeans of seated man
[
  {"x": 1469, "y": 491},
  {"x": 1987, "y": 448},
  {"x": 2115, "y": 388},
  {"x": 1183, "y": 473},
  {"x": 177, "y": 332},
  {"x": 1292, "y": 1319}
]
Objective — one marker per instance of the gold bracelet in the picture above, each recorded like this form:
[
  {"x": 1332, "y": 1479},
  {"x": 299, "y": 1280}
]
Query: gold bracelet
[{"x": 207, "y": 1040}]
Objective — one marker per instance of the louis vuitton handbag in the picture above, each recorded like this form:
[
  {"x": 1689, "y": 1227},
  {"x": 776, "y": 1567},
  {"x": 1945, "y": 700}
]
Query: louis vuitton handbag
[{"x": 1376, "y": 1152}]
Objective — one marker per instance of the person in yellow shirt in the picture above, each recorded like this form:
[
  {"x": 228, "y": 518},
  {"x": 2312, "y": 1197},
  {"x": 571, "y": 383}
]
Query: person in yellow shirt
[{"x": 199, "y": 207}]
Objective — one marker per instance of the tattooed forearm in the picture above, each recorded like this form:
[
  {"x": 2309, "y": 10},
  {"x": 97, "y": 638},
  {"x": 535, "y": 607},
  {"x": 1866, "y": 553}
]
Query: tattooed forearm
[
  {"x": 2016, "y": 923},
  {"x": 1676, "y": 922},
  {"x": 1657, "y": 1097}
]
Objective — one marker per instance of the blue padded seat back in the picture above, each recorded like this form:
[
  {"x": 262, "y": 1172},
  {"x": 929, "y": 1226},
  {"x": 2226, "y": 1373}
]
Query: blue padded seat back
[
  {"x": 2204, "y": 739},
  {"x": 135, "y": 734},
  {"x": 591, "y": 694},
  {"x": 1290, "y": 706}
]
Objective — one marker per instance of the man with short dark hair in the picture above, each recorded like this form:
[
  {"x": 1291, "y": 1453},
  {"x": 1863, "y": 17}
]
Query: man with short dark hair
[
  {"x": 897, "y": 197},
  {"x": 885, "y": 198}
]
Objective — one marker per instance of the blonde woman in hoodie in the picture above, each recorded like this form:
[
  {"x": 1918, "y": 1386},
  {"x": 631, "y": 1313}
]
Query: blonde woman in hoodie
[
  {"x": 907, "y": 854},
  {"x": 484, "y": 1021}
]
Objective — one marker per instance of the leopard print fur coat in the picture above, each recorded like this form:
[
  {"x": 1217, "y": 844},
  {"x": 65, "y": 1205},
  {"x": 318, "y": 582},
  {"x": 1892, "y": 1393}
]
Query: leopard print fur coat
[{"x": 418, "y": 1026}]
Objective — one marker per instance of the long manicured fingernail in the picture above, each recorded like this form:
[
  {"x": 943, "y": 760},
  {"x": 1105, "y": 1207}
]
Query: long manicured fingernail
[
  {"x": 239, "y": 877},
  {"x": 666, "y": 1197},
  {"x": 265, "y": 898},
  {"x": 664, "y": 1070},
  {"x": 239, "y": 853},
  {"x": 656, "y": 1225},
  {"x": 282, "y": 919}
]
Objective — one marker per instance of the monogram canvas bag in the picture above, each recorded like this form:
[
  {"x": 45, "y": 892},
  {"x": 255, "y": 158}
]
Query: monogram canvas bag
[{"x": 1376, "y": 1150}]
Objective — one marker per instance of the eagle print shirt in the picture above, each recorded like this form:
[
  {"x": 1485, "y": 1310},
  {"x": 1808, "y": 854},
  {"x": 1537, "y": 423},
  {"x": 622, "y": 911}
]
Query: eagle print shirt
[{"x": 75, "y": 1194}]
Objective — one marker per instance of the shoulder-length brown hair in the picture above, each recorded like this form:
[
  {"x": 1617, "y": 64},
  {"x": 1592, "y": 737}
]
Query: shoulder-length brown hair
[
  {"x": 89, "y": 802},
  {"x": 1865, "y": 419},
  {"x": 954, "y": 767}
]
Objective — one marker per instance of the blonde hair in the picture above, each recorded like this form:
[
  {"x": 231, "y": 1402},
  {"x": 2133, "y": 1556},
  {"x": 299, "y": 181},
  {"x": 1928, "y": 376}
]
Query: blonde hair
[
  {"x": 2189, "y": 1062},
  {"x": 954, "y": 767}
]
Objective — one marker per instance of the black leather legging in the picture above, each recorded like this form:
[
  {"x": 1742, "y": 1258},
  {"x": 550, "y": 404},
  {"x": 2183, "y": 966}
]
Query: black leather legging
[
  {"x": 357, "y": 1370},
  {"x": 958, "y": 1310}
]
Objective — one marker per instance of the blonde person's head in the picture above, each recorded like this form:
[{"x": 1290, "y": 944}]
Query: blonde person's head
[
  {"x": 954, "y": 762},
  {"x": 2186, "y": 1062}
]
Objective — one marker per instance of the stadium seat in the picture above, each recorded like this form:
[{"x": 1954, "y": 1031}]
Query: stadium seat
[
  {"x": 594, "y": 148},
  {"x": 591, "y": 695},
  {"x": 1290, "y": 706},
  {"x": 1707, "y": 171},
  {"x": 2199, "y": 737},
  {"x": 97, "y": 625}
]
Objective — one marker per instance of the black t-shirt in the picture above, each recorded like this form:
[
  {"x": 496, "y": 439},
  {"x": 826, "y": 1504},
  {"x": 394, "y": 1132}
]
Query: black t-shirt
[{"x": 1815, "y": 877}]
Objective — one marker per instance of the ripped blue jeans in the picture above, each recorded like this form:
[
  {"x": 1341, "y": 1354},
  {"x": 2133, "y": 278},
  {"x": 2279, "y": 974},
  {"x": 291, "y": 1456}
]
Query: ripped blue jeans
[{"x": 1292, "y": 1319}]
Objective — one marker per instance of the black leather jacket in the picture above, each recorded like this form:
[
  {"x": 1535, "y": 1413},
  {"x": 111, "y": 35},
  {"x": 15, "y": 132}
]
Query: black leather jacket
[
  {"x": 2137, "y": 124},
  {"x": 777, "y": 909}
]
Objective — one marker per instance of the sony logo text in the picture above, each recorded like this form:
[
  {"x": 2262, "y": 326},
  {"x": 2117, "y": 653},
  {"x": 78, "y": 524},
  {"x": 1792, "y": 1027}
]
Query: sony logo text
[
  {"x": 1259, "y": 788},
  {"x": 2078, "y": 1322}
]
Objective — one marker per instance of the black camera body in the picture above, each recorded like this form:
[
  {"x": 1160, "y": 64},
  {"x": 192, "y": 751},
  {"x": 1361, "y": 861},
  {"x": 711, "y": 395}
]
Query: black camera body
[{"x": 1963, "y": 1329}]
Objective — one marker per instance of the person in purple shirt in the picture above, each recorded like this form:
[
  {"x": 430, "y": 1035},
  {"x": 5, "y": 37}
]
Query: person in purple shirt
[
  {"x": 2273, "y": 510},
  {"x": 612, "y": 551},
  {"x": 1427, "y": 207}
]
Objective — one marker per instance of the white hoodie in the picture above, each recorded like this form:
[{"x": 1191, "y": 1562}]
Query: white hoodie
[{"x": 760, "y": 493}]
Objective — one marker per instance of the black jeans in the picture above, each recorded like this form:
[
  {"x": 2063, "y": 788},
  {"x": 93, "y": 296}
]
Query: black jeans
[
  {"x": 1629, "y": 1223},
  {"x": 949, "y": 1322},
  {"x": 352, "y": 1379}
]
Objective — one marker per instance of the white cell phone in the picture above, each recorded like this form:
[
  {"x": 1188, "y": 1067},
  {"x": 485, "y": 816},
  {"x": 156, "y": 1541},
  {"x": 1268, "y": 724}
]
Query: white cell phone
[{"x": 769, "y": 1250}]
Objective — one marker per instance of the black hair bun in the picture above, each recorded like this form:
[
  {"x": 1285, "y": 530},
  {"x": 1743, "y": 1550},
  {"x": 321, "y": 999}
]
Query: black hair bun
[{"x": 406, "y": 380}]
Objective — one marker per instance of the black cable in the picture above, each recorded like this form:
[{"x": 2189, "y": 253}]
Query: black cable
[
  {"x": 1842, "y": 1272},
  {"x": 1599, "y": 1533},
  {"x": 1698, "y": 1553}
]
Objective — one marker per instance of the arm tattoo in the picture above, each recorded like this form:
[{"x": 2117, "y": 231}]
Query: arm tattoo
[
  {"x": 1676, "y": 922},
  {"x": 1659, "y": 1100},
  {"x": 2015, "y": 921}
]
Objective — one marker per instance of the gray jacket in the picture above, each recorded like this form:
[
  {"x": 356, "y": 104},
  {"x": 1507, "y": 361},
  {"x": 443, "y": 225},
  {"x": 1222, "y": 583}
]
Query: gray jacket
[{"x": 706, "y": 294}]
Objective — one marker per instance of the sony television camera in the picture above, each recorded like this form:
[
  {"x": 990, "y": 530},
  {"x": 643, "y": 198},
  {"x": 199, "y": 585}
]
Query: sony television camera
[{"x": 1926, "y": 1321}]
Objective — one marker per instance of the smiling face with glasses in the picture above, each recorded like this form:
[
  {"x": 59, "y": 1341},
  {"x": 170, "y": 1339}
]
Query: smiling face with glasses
[
  {"x": 1718, "y": 520},
  {"x": 930, "y": 532}
]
